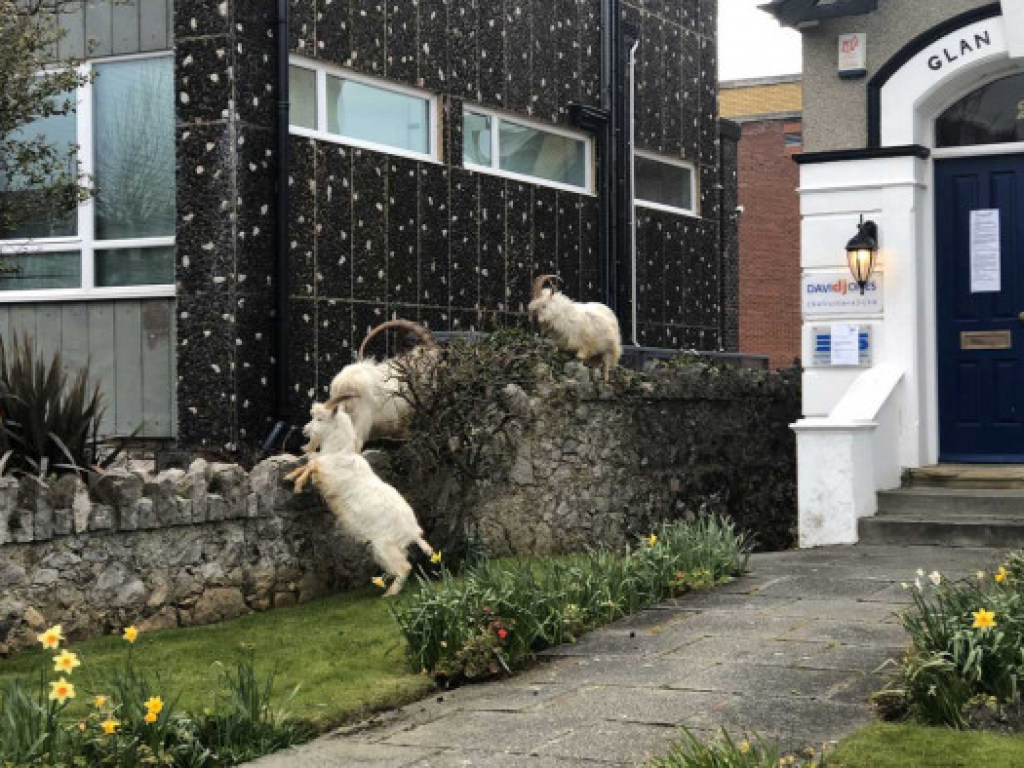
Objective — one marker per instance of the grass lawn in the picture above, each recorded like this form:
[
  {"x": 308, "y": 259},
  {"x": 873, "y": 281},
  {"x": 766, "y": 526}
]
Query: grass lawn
[
  {"x": 913, "y": 746},
  {"x": 345, "y": 651}
]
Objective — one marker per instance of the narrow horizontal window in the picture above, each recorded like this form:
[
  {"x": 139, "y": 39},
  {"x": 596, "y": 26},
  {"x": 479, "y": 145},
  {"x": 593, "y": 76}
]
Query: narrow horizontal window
[
  {"x": 668, "y": 184},
  {"x": 135, "y": 266},
  {"x": 302, "y": 95},
  {"x": 40, "y": 271},
  {"x": 524, "y": 151},
  {"x": 336, "y": 105}
]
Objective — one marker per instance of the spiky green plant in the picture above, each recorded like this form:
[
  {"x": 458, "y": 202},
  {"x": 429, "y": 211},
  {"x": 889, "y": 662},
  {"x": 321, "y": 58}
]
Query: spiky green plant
[{"x": 48, "y": 420}]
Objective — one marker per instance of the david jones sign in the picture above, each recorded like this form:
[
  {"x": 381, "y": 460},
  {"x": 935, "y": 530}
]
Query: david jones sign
[{"x": 834, "y": 293}]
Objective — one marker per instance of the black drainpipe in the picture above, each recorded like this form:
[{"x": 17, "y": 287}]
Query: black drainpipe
[{"x": 281, "y": 282}]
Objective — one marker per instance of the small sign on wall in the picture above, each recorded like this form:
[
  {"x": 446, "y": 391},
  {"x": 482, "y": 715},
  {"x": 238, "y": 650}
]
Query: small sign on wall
[
  {"x": 853, "y": 55},
  {"x": 834, "y": 293},
  {"x": 986, "y": 268},
  {"x": 841, "y": 345}
]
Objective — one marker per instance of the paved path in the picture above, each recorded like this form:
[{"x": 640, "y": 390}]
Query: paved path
[{"x": 790, "y": 651}]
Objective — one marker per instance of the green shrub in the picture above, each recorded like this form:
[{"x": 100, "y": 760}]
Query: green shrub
[
  {"x": 957, "y": 668},
  {"x": 726, "y": 752},
  {"x": 500, "y": 613},
  {"x": 48, "y": 420}
]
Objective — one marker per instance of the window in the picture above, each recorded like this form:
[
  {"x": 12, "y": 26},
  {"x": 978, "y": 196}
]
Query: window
[
  {"x": 993, "y": 114},
  {"x": 510, "y": 147},
  {"x": 120, "y": 242},
  {"x": 663, "y": 183},
  {"x": 332, "y": 104}
]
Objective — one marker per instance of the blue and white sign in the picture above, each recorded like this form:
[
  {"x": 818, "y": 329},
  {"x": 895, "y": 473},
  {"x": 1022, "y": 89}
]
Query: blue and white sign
[
  {"x": 857, "y": 353},
  {"x": 835, "y": 293}
]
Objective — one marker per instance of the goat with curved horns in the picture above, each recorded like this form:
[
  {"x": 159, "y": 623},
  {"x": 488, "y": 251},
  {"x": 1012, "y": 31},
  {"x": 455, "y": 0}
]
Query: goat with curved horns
[
  {"x": 589, "y": 330},
  {"x": 371, "y": 392}
]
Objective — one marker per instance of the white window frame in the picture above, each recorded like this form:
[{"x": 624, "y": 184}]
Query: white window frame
[
  {"x": 322, "y": 70},
  {"x": 640, "y": 203},
  {"x": 84, "y": 242},
  {"x": 494, "y": 170}
]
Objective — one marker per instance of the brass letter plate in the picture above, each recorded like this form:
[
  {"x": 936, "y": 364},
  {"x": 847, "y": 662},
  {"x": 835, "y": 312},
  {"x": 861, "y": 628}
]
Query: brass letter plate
[{"x": 985, "y": 340}]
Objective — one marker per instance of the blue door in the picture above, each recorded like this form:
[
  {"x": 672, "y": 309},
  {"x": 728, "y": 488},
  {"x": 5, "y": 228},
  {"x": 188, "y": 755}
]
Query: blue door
[{"x": 980, "y": 334}]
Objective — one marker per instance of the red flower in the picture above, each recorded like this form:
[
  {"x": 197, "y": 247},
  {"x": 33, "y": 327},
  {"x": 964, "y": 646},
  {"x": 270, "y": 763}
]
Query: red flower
[{"x": 502, "y": 633}]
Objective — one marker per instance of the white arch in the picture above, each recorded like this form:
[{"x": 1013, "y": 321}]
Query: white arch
[{"x": 938, "y": 75}]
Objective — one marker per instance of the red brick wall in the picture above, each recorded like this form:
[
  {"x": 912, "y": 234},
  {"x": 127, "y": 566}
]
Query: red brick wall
[{"x": 769, "y": 242}]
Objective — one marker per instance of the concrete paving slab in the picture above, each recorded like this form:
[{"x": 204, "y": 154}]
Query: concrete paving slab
[
  {"x": 620, "y": 743},
  {"x": 654, "y": 706},
  {"x": 856, "y": 611},
  {"x": 344, "y": 754}
]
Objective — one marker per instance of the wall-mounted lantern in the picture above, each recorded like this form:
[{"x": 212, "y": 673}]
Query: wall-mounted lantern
[{"x": 862, "y": 252}]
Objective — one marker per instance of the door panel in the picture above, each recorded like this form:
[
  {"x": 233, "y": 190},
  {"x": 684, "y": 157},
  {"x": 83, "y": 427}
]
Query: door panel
[{"x": 981, "y": 390}]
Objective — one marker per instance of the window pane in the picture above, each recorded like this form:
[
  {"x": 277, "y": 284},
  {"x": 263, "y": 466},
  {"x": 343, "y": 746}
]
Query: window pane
[
  {"x": 302, "y": 94},
  {"x": 541, "y": 154},
  {"x": 993, "y": 114},
  {"x": 32, "y": 271},
  {"x": 476, "y": 139},
  {"x": 133, "y": 107},
  {"x": 377, "y": 115},
  {"x": 663, "y": 183},
  {"x": 43, "y": 211},
  {"x": 135, "y": 266}
]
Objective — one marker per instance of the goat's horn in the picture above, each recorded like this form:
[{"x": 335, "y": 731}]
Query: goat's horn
[
  {"x": 425, "y": 336},
  {"x": 540, "y": 281}
]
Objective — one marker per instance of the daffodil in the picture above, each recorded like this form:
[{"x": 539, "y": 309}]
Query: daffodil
[
  {"x": 378, "y": 581},
  {"x": 51, "y": 638},
  {"x": 99, "y": 702},
  {"x": 154, "y": 704},
  {"x": 150, "y": 718},
  {"x": 652, "y": 540},
  {"x": 110, "y": 726},
  {"x": 920, "y": 571},
  {"x": 744, "y": 747},
  {"x": 81, "y": 725},
  {"x": 66, "y": 662},
  {"x": 983, "y": 619},
  {"x": 935, "y": 577},
  {"x": 436, "y": 557},
  {"x": 980, "y": 575},
  {"x": 131, "y": 634},
  {"x": 1001, "y": 576},
  {"x": 61, "y": 691}
]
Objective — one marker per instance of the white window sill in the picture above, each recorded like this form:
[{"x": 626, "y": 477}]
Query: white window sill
[
  {"x": 51, "y": 295},
  {"x": 384, "y": 149},
  {"x": 666, "y": 209},
  {"x": 535, "y": 180}
]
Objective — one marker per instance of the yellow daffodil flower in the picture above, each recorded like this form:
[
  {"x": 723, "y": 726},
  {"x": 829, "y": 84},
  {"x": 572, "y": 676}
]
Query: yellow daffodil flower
[
  {"x": 110, "y": 726},
  {"x": 652, "y": 540},
  {"x": 935, "y": 577},
  {"x": 81, "y": 725},
  {"x": 150, "y": 718},
  {"x": 66, "y": 662},
  {"x": 1000, "y": 577},
  {"x": 436, "y": 557},
  {"x": 983, "y": 619},
  {"x": 744, "y": 747},
  {"x": 378, "y": 581},
  {"x": 61, "y": 691},
  {"x": 154, "y": 704},
  {"x": 51, "y": 638},
  {"x": 131, "y": 634},
  {"x": 99, "y": 702}
]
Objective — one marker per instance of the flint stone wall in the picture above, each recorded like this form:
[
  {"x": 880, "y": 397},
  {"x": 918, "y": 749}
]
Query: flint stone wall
[{"x": 174, "y": 549}]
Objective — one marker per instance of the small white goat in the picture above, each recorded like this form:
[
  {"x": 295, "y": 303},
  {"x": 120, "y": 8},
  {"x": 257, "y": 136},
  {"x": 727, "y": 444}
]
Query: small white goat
[
  {"x": 368, "y": 509},
  {"x": 370, "y": 392},
  {"x": 590, "y": 330},
  {"x": 329, "y": 431}
]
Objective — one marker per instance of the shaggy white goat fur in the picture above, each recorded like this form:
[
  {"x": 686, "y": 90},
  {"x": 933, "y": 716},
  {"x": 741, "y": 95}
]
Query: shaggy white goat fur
[
  {"x": 329, "y": 431},
  {"x": 370, "y": 392},
  {"x": 368, "y": 509},
  {"x": 589, "y": 330}
]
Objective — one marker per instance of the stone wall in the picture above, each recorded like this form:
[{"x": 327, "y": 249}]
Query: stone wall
[{"x": 176, "y": 549}]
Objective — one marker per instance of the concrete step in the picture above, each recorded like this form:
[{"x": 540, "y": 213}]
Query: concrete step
[
  {"x": 953, "y": 502},
  {"x": 977, "y": 476},
  {"x": 947, "y": 531}
]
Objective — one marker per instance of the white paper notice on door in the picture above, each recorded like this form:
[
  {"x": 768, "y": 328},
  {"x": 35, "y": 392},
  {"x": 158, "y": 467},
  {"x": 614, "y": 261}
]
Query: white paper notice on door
[
  {"x": 985, "y": 256},
  {"x": 845, "y": 344}
]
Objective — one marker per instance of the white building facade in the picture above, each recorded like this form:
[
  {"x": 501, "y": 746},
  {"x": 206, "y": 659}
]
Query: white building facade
[{"x": 926, "y": 139}]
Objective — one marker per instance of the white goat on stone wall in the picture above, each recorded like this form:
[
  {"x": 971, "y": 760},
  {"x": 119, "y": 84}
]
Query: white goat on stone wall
[
  {"x": 589, "y": 330},
  {"x": 368, "y": 509},
  {"x": 372, "y": 393}
]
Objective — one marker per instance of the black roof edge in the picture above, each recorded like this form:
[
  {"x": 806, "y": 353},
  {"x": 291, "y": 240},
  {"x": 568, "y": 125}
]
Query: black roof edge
[{"x": 870, "y": 153}]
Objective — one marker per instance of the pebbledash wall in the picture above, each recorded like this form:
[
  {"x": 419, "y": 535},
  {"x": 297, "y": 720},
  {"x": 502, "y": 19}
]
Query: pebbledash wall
[
  {"x": 592, "y": 466},
  {"x": 376, "y": 235}
]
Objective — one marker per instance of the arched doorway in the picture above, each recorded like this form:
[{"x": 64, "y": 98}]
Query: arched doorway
[{"x": 979, "y": 270}]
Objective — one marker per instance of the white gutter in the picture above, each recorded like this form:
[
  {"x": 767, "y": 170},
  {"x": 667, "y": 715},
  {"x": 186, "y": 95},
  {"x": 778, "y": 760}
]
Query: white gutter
[{"x": 632, "y": 181}]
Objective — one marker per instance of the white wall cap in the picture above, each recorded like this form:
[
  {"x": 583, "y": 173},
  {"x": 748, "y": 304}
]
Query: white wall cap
[{"x": 865, "y": 398}]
